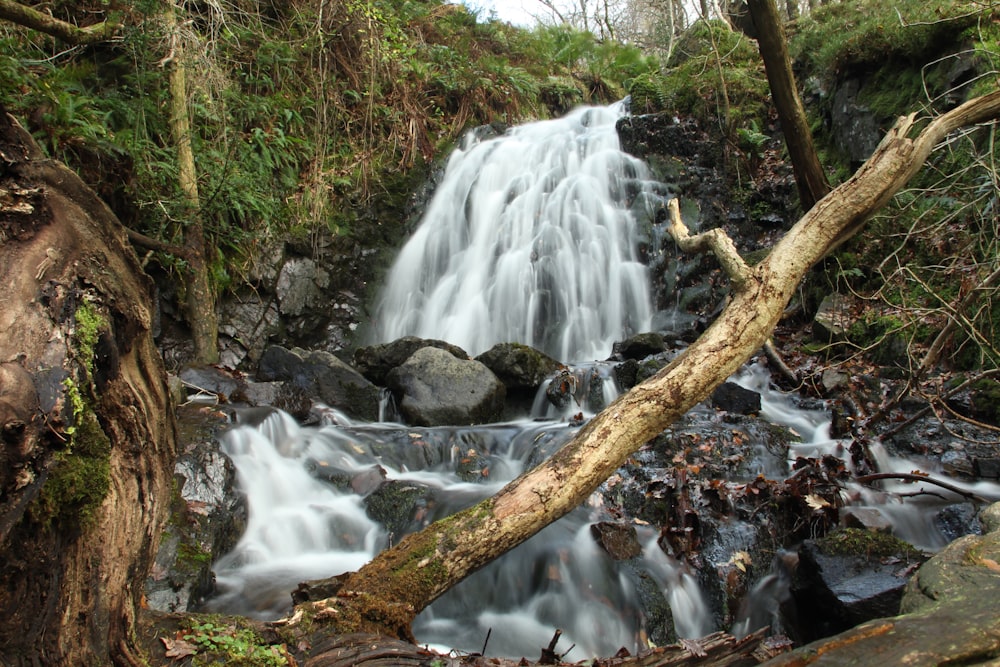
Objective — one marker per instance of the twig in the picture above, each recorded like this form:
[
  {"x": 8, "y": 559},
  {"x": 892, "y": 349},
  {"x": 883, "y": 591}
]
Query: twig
[
  {"x": 549, "y": 655},
  {"x": 910, "y": 477},
  {"x": 775, "y": 360},
  {"x": 486, "y": 641}
]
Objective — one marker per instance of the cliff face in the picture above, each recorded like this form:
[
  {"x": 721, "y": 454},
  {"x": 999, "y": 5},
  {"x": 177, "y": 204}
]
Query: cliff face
[{"x": 88, "y": 436}]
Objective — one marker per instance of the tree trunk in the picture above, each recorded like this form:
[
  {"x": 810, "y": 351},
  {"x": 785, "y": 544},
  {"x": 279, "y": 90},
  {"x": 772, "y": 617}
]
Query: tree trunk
[
  {"x": 809, "y": 175},
  {"x": 386, "y": 594},
  {"x": 199, "y": 301},
  {"x": 86, "y": 427}
]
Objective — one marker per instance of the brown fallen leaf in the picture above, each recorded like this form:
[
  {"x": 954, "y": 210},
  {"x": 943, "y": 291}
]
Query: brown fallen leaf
[{"x": 178, "y": 648}]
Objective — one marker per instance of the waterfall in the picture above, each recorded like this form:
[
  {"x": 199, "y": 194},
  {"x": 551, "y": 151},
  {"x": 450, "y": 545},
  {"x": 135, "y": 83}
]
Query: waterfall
[{"x": 530, "y": 238}]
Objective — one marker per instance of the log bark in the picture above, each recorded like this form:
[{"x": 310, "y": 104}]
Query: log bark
[
  {"x": 87, "y": 435},
  {"x": 385, "y": 595}
]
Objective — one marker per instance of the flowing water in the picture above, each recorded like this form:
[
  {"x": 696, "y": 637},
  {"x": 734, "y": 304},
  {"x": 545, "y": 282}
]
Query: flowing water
[{"x": 532, "y": 237}]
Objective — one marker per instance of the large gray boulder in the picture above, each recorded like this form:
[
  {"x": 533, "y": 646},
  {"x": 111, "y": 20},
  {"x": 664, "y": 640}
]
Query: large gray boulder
[
  {"x": 375, "y": 361},
  {"x": 434, "y": 388},
  {"x": 323, "y": 377}
]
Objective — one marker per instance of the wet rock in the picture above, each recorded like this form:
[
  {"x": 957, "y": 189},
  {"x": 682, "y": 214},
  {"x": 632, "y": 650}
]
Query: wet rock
[
  {"x": 323, "y": 377},
  {"x": 522, "y": 369},
  {"x": 434, "y": 388},
  {"x": 208, "y": 516},
  {"x": 620, "y": 541},
  {"x": 955, "y": 521},
  {"x": 375, "y": 361},
  {"x": 226, "y": 386},
  {"x": 626, "y": 374},
  {"x": 948, "y": 613},
  {"x": 519, "y": 366},
  {"x": 731, "y": 397},
  {"x": 849, "y": 577},
  {"x": 833, "y": 318},
  {"x": 640, "y": 346},
  {"x": 865, "y": 518},
  {"x": 399, "y": 506}
]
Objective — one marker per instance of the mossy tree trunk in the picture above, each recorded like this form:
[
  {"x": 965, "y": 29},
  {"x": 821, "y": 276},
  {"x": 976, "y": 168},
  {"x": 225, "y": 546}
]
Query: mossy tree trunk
[
  {"x": 200, "y": 297},
  {"x": 87, "y": 435},
  {"x": 386, "y": 594}
]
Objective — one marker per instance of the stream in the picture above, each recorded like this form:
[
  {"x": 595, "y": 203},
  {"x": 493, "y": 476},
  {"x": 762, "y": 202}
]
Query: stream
[{"x": 533, "y": 236}]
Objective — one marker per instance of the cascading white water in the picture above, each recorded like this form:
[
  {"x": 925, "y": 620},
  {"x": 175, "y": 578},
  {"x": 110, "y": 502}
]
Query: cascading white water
[{"x": 530, "y": 239}]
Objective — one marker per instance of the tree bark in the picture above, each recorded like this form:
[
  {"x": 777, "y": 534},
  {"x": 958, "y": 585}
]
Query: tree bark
[
  {"x": 87, "y": 437},
  {"x": 809, "y": 175},
  {"x": 199, "y": 302},
  {"x": 15, "y": 12},
  {"x": 387, "y": 593}
]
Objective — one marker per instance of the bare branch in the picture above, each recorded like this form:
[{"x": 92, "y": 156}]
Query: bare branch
[{"x": 714, "y": 240}]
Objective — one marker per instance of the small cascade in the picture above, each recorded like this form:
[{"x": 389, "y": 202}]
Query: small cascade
[{"x": 530, "y": 238}]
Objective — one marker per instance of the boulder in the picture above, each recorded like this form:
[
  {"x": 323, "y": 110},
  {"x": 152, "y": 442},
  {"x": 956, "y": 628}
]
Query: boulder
[
  {"x": 849, "y": 577},
  {"x": 948, "y": 613},
  {"x": 640, "y": 346},
  {"x": 322, "y": 377},
  {"x": 375, "y": 361},
  {"x": 519, "y": 366},
  {"x": 435, "y": 388}
]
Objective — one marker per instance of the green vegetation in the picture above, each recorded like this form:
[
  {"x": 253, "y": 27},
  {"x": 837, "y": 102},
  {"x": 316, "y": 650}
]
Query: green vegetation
[
  {"x": 232, "y": 644},
  {"x": 80, "y": 475},
  {"x": 853, "y": 34},
  {"x": 926, "y": 259},
  {"x": 714, "y": 75},
  {"x": 79, "y": 479},
  {"x": 301, "y": 115}
]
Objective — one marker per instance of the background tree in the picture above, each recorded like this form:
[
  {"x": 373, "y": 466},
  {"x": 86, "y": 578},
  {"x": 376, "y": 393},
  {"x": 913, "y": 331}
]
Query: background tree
[{"x": 773, "y": 46}]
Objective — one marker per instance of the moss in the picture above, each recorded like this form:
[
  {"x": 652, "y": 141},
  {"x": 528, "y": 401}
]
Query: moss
[
  {"x": 89, "y": 323},
  {"x": 79, "y": 479},
  {"x": 986, "y": 399},
  {"x": 865, "y": 543}
]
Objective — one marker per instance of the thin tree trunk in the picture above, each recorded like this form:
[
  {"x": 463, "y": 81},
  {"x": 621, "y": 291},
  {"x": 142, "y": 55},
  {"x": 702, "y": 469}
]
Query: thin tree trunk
[
  {"x": 809, "y": 175},
  {"x": 388, "y": 592},
  {"x": 199, "y": 301}
]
